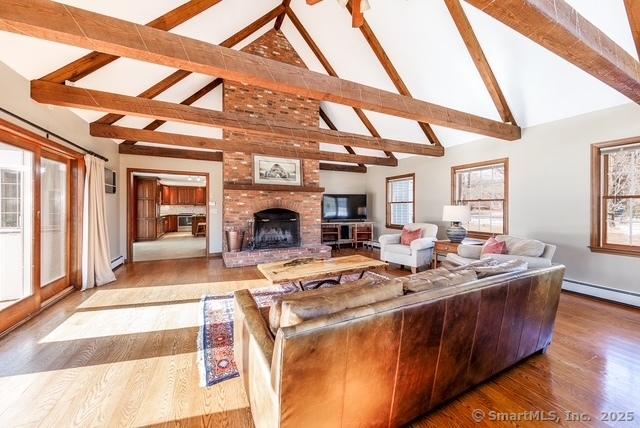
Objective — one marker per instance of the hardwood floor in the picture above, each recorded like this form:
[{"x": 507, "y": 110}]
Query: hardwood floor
[{"x": 125, "y": 355}]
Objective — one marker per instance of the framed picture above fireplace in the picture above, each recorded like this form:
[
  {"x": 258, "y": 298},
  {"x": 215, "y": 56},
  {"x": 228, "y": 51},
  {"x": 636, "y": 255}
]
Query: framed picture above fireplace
[{"x": 282, "y": 171}]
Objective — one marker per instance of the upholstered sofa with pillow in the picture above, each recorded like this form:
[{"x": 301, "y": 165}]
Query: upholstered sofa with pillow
[
  {"x": 415, "y": 255},
  {"x": 537, "y": 254},
  {"x": 344, "y": 358}
]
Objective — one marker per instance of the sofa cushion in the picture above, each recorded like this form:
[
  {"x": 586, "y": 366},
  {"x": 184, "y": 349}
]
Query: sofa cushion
[
  {"x": 493, "y": 267},
  {"x": 408, "y": 236},
  {"x": 340, "y": 298},
  {"x": 493, "y": 246},
  {"x": 522, "y": 246},
  {"x": 436, "y": 278},
  {"x": 398, "y": 249},
  {"x": 275, "y": 311},
  {"x": 470, "y": 251}
]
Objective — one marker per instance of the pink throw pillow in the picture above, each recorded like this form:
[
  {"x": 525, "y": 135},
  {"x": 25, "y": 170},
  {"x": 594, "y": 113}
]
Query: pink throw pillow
[
  {"x": 493, "y": 246},
  {"x": 407, "y": 236}
]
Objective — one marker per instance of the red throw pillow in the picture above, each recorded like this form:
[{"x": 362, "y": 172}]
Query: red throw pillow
[
  {"x": 493, "y": 246},
  {"x": 407, "y": 236}
]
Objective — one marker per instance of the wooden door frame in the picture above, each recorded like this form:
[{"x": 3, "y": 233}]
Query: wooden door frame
[
  {"x": 19, "y": 137},
  {"x": 131, "y": 202}
]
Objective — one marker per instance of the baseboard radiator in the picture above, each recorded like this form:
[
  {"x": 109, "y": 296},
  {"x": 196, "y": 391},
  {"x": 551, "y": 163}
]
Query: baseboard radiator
[
  {"x": 615, "y": 295},
  {"x": 118, "y": 261}
]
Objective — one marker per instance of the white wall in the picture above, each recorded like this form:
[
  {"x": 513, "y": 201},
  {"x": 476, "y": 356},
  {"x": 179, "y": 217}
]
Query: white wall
[
  {"x": 15, "y": 97},
  {"x": 343, "y": 182},
  {"x": 549, "y": 189},
  {"x": 215, "y": 191}
]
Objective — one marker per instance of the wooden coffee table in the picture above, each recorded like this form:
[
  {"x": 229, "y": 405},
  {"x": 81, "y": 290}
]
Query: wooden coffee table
[{"x": 312, "y": 273}]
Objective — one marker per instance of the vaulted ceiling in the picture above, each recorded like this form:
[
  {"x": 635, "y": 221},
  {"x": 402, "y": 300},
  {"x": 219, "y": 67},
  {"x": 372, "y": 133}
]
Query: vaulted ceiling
[{"x": 428, "y": 59}]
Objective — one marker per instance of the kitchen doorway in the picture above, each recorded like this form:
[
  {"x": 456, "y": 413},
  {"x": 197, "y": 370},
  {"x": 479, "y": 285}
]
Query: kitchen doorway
[{"x": 167, "y": 215}]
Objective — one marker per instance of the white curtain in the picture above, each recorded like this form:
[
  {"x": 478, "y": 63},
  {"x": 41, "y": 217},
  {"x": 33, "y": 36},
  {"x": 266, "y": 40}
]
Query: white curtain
[{"x": 96, "y": 264}]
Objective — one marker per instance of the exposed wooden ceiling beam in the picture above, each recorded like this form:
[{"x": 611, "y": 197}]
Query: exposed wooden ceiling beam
[
  {"x": 393, "y": 74},
  {"x": 479, "y": 59},
  {"x": 187, "y": 102},
  {"x": 120, "y": 133},
  {"x": 331, "y": 71},
  {"x": 357, "y": 18},
  {"x": 93, "y": 61},
  {"x": 175, "y": 77},
  {"x": 558, "y": 27},
  {"x": 67, "y": 96},
  {"x": 170, "y": 153},
  {"x": 342, "y": 168},
  {"x": 280, "y": 18},
  {"x": 61, "y": 23},
  {"x": 331, "y": 125},
  {"x": 633, "y": 13}
]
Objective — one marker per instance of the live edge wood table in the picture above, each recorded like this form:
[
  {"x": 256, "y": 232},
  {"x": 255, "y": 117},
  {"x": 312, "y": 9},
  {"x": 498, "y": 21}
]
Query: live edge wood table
[{"x": 312, "y": 273}]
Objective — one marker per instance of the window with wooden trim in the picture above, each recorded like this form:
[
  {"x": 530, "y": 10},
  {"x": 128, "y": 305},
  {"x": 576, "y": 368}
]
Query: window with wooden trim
[
  {"x": 400, "y": 200},
  {"x": 484, "y": 187},
  {"x": 615, "y": 218},
  {"x": 10, "y": 203}
]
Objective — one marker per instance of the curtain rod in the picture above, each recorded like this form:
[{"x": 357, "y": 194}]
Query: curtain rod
[{"x": 47, "y": 132}]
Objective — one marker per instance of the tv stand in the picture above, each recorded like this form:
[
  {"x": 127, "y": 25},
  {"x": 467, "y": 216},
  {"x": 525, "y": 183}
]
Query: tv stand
[{"x": 347, "y": 232}]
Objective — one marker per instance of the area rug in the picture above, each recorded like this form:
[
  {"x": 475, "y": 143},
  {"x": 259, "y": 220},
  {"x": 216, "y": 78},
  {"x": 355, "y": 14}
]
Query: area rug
[{"x": 215, "y": 338}]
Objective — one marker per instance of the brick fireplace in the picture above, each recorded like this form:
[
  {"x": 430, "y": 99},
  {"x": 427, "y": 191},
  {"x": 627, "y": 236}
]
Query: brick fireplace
[{"x": 242, "y": 199}]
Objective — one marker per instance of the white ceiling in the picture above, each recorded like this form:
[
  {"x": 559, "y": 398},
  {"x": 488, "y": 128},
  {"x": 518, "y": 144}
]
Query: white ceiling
[{"x": 419, "y": 36}]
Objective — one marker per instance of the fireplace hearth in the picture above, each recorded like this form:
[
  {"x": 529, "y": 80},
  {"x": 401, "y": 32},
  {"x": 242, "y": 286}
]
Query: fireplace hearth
[{"x": 276, "y": 228}]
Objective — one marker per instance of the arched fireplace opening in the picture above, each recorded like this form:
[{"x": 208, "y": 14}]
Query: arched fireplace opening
[{"x": 276, "y": 228}]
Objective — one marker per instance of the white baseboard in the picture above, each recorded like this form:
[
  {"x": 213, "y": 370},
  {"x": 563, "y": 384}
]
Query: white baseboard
[
  {"x": 117, "y": 262},
  {"x": 620, "y": 296}
]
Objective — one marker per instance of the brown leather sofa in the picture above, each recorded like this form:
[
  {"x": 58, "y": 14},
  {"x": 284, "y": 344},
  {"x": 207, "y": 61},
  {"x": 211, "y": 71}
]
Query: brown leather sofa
[{"x": 387, "y": 363}]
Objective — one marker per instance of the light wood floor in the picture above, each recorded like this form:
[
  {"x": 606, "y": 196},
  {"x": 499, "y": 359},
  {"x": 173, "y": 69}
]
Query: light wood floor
[
  {"x": 173, "y": 245},
  {"x": 125, "y": 355}
]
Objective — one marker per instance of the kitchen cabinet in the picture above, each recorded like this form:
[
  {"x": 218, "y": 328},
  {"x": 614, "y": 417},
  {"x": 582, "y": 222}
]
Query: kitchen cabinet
[
  {"x": 183, "y": 195},
  {"x": 172, "y": 223},
  {"x": 166, "y": 195},
  {"x": 201, "y": 196},
  {"x": 146, "y": 208},
  {"x": 159, "y": 227},
  {"x": 186, "y": 196}
]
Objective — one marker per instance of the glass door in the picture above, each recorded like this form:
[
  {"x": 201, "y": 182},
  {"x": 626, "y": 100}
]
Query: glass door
[
  {"x": 16, "y": 227},
  {"x": 40, "y": 222},
  {"x": 54, "y": 227}
]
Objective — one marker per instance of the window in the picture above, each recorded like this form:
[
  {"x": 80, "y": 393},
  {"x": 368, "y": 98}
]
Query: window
[
  {"x": 10, "y": 204},
  {"x": 615, "y": 214},
  {"x": 484, "y": 188},
  {"x": 400, "y": 200}
]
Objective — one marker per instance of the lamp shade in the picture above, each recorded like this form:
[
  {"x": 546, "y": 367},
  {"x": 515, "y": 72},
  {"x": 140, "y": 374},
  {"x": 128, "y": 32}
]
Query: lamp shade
[{"x": 460, "y": 213}]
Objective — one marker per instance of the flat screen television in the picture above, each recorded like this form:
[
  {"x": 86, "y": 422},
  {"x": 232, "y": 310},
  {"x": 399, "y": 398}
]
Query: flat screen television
[{"x": 344, "y": 207}]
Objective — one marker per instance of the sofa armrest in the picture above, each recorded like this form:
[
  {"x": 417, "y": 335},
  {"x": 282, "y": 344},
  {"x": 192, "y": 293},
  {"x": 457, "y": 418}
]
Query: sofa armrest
[
  {"x": 249, "y": 324},
  {"x": 422, "y": 244},
  {"x": 470, "y": 251},
  {"x": 392, "y": 238}
]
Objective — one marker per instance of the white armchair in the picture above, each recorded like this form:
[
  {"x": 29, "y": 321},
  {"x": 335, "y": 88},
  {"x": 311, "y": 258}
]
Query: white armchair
[{"x": 417, "y": 254}]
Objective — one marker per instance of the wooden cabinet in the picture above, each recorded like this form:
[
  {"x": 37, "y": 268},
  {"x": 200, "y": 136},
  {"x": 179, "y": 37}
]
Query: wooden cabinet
[
  {"x": 350, "y": 233},
  {"x": 172, "y": 223},
  {"x": 183, "y": 195},
  {"x": 186, "y": 196},
  {"x": 166, "y": 195},
  {"x": 201, "y": 196},
  {"x": 146, "y": 208}
]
